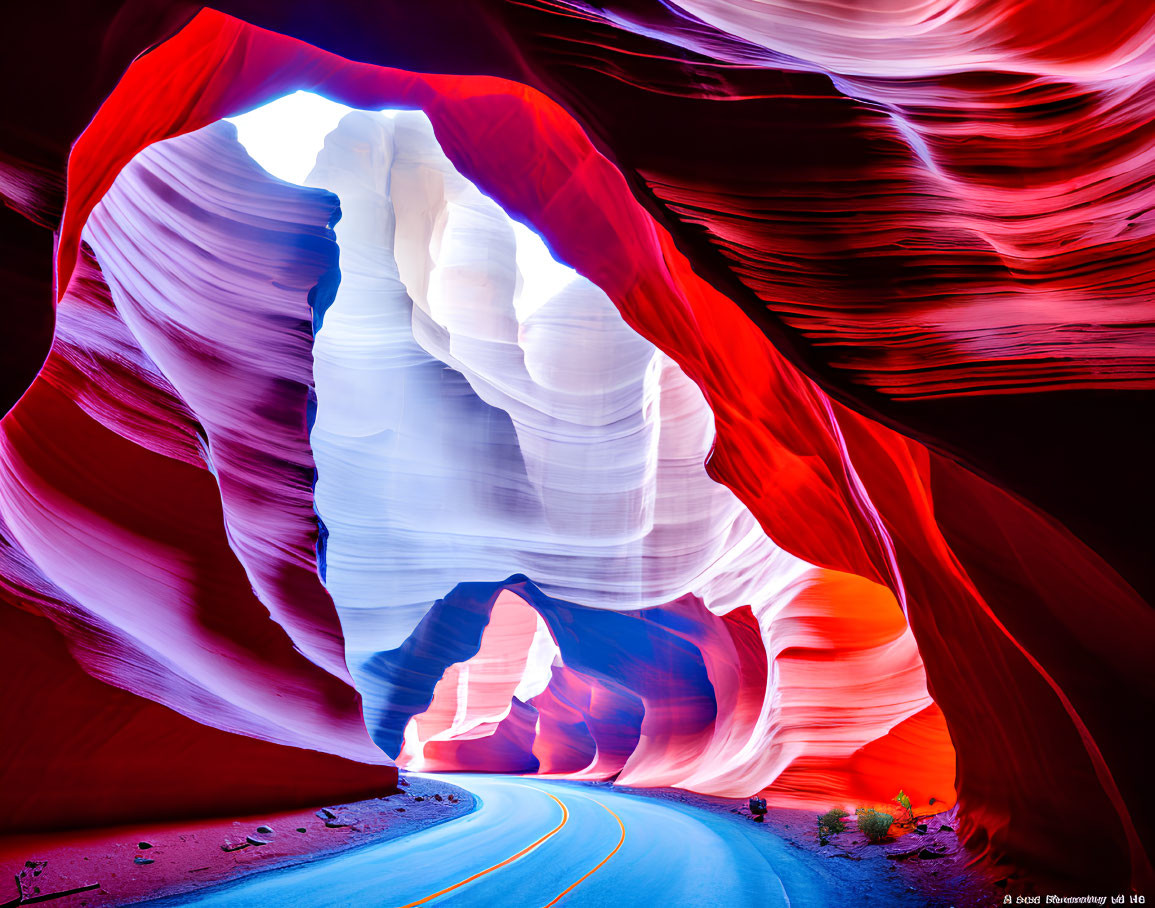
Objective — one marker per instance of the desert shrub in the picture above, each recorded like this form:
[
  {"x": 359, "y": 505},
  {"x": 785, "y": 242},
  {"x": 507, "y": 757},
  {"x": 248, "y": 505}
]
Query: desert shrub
[
  {"x": 830, "y": 823},
  {"x": 832, "y": 819},
  {"x": 874, "y": 823}
]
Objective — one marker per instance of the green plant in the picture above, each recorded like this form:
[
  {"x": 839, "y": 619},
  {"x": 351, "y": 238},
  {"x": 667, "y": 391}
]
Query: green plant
[
  {"x": 874, "y": 823},
  {"x": 833, "y": 818},
  {"x": 903, "y": 801},
  {"x": 829, "y": 823}
]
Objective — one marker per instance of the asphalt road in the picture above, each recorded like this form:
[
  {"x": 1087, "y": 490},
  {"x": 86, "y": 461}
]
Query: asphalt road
[{"x": 537, "y": 843}]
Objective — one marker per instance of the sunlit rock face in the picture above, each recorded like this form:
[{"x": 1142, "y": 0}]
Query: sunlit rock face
[{"x": 484, "y": 413}]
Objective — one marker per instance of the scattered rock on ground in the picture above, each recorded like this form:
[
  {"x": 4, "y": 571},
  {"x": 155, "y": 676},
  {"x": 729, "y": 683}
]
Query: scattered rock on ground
[{"x": 187, "y": 862}]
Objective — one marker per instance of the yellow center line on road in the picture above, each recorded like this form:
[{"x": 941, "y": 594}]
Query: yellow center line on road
[
  {"x": 509, "y": 860},
  {"x": 589, "y": 873}
]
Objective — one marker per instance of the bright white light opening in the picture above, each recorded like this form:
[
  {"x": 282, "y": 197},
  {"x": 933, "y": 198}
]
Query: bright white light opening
[
  {"x": 285, "y": 136},
  {"x": 542, "y": 276}
]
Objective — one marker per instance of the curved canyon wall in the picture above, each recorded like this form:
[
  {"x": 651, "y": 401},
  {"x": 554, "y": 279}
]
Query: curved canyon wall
[
  {"x": 870, "y": 271},
  {"x": 156, "y": 492}
]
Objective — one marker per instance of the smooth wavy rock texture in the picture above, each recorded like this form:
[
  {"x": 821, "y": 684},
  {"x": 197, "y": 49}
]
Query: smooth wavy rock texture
[
  {"x": 1005, "y": 251},
  {"x": 158, "y": 511},
  {"x": 901, "y": 254}
]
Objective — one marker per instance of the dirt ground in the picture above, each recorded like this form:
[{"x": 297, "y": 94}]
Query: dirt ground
[{"x": 191, "y": 855}]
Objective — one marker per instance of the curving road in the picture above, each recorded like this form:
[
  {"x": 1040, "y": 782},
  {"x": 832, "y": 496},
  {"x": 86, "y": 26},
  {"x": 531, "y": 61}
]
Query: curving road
[{"x": 533, "y": 842}]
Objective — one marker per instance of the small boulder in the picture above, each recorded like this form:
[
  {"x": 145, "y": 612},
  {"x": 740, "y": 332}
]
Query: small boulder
[
  {"x": 265, "y": 830},
  {"x": 927, "y": 854},
  {"x": 301, "y": 829},
  {"x": 141, "y": 859},
  {"x": 325, "y": 813},
  {"x": 234, "y": 846},
  {"x": 143, "y": 845},
  {"x": 255, "y": 840}
]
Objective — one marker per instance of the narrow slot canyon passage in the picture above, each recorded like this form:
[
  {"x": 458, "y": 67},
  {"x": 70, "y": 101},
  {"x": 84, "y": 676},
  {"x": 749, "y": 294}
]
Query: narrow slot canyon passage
[
  {"x": 538, "y": 454},
  {"x": 484, "y": 412}
]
